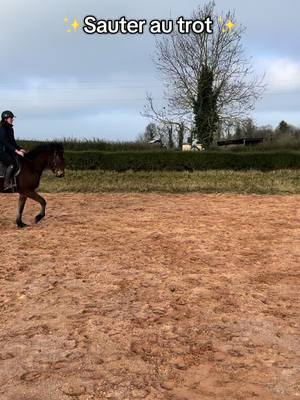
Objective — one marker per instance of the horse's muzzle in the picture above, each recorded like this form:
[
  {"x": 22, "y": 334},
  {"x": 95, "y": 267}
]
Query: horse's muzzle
[{"x": 60, "y": 174}]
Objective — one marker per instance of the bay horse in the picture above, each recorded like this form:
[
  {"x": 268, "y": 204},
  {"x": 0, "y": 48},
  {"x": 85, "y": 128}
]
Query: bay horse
[{"x": 44, "y": 156}]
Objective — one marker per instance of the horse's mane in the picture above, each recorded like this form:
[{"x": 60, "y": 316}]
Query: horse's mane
[{"x": 44, "y": 148}]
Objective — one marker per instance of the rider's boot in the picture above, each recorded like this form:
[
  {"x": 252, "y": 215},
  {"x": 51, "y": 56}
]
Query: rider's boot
[{"x": 8, "y": 178}]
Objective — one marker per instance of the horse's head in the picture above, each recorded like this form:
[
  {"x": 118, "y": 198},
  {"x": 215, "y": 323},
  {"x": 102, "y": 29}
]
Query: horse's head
[
  {"x": 56, "y": 160},
  {"x": 50, "y": 155}
]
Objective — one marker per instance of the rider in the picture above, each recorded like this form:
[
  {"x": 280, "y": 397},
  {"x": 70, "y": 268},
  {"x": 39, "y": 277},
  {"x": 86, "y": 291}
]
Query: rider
[{"x": 8, "y": 146}]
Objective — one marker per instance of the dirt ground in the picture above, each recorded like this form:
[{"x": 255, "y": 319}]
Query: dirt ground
[{"x": 132, "y": 296}]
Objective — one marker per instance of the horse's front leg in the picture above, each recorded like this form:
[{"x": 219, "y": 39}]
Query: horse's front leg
[
  {"x": 21, "y": 205},
  {"x": 42, "y": 201}
]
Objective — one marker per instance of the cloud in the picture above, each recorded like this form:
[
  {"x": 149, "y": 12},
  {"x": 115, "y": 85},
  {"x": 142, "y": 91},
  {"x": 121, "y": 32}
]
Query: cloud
[
  {"x": 50, "y": 78},
  {"x": 48, "y": 97},
  {"x": 104, "y": 124},
  {"x": 281, "y": 100},
  {"x": 273, "y": 118},
  {"x": 282, "y": 74}
]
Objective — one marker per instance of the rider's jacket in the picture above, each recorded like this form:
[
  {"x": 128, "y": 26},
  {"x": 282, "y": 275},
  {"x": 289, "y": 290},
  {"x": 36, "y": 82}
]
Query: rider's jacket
[{"x": 7, "y": 138}]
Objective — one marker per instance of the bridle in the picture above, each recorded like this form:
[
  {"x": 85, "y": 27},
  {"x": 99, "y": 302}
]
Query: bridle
[{"x": 53, "y": 163}]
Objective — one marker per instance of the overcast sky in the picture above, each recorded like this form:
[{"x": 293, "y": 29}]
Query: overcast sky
[{"x": 62, "y": 84}]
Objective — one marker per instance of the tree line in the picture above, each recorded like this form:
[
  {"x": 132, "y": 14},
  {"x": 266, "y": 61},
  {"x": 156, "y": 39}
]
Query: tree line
[{"x": 172, "y": 137}]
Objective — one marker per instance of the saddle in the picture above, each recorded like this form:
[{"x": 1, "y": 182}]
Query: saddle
[{"x": 3, "y": 168}]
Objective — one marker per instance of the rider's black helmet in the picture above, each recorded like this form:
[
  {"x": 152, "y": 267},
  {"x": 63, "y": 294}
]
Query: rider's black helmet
[{"x": 7, "y": 114}]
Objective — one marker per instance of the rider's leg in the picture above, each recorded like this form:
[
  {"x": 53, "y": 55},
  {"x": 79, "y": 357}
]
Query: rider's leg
[
  {"x": 8, "y": 177},
  {"x": 9, "y": 160}
]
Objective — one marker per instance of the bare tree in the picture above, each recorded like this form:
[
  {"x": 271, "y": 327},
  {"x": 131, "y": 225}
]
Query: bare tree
[
  {"x": 166, "y": 133},
  {"x": 178, "y": 123},
  {"x": 150, "y": 133},
  {"x": 180, "y": 59}
]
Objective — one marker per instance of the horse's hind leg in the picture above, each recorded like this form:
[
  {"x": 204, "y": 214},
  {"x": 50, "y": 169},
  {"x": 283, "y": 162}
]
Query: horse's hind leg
[
  {"x": 42, "y": 201},
  {"x": 21, "y": 205}
]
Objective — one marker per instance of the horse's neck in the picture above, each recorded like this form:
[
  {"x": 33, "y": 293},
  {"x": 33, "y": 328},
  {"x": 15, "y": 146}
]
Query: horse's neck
[{"x": 40, "y": 162}]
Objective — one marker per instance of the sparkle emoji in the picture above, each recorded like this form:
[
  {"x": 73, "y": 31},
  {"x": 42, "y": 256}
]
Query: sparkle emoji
[
  {"x": 75, "y": 25},
  {"x": 230, "y": 25},
  {"x": 226, "y": 27}
]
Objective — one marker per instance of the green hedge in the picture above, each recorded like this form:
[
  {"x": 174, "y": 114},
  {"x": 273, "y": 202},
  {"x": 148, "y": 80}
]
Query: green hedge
[
  {"x": 92, "y": 145},
  {"x": 180, "y": 161}
]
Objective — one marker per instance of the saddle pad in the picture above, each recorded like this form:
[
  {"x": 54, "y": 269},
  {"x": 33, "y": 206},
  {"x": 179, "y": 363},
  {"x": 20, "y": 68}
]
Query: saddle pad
[{"x": 3, "y": 168}]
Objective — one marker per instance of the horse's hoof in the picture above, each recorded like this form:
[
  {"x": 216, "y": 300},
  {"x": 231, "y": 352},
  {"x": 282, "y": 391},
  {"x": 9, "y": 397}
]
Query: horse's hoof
[
  {"x": 21, "y": 225},
  {"x": 38, "y": 218}
]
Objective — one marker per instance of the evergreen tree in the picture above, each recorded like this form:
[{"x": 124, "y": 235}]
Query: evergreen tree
[
  {"x": 283, "y": 127},
  {"x": 206, "y": 116}
]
